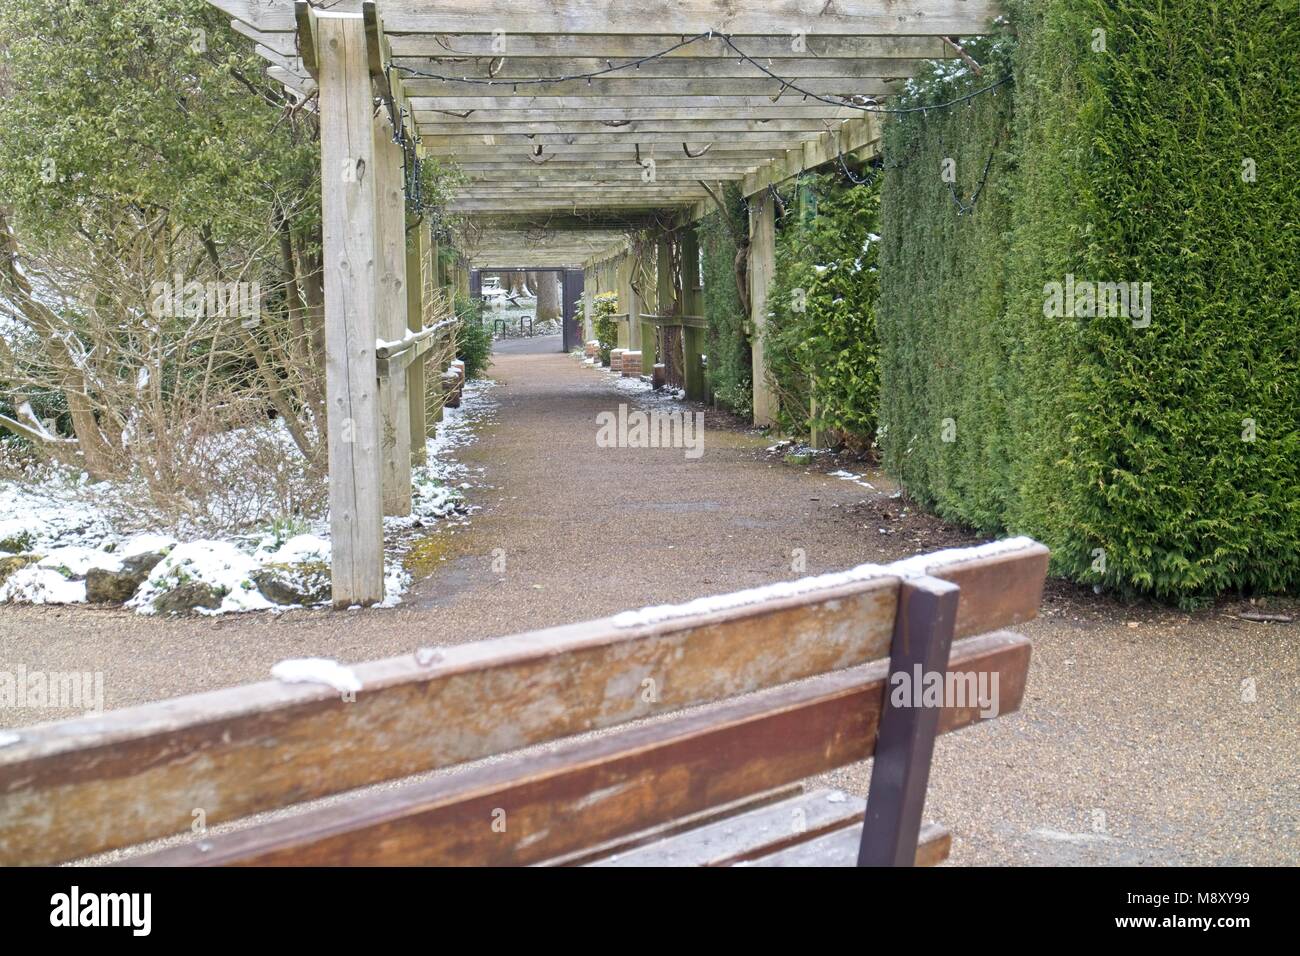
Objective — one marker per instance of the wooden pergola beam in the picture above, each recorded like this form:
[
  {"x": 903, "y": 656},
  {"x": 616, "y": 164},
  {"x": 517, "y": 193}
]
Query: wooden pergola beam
[
  {"x": 505, "y": 204},
  {"x": 783, "y": 110},
  {"x": 630, "y": 17},
  {"x": 504, "y": 69},
  {"x": 612, "y": 88},
  {"x": 435, "y": 132},
  {"x": 851, "y": 137},
  {"x": 534, "y": 224},
  {"x": 596, "y": 174},
  {"x": 736, "y": 105},
  {"x": 604, "y": 46},
  {"x": 670, "y": 143},
  {"x": 484, "y": 46}
]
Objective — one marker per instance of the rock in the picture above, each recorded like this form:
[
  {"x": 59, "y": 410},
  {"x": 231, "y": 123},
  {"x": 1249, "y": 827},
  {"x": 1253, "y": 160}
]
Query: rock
[
  {"x": 186, "y": 598},
  {"x": 306, "y": 583},
  {"x": 117, "y": 587},
  {"x": 15, "y": 562}
]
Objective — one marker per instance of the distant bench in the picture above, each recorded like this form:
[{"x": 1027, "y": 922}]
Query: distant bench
[{"x": 801, "y": 669}]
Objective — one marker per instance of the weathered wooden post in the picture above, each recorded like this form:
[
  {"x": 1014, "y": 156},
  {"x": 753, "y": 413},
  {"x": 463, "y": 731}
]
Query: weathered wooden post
[
  {"x": 394, "y": 408},
  {"x": 693, "y": 324},
  {"x": 335, "y": 44},
  {"x": 665, "y": 304},
  {"x": 634, "y": 306},
  {"x": 590, "y": 286},
  {"x": 418, "y": 281},
  {"x": 762, "y": 264}
]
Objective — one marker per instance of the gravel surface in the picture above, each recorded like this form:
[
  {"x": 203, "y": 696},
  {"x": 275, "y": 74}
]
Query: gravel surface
[{"x": 1136, "y": 745}]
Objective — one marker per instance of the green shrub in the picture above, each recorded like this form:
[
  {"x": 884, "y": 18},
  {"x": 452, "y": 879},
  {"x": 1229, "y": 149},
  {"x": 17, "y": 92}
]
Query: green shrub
[
  {"x": 603, "y": 324},
  {"x": 473, "y": 337},
  {"x": 821, "y": 340}
]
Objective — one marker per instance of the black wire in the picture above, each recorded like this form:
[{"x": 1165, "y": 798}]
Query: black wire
[
  {"x": 785, "y": 84},
  {"x": 808, "y": 94},
  {"x": 965, "y": 208},
  {"x": 848, "y": 174},
  {"x": 412, "y": 71}
]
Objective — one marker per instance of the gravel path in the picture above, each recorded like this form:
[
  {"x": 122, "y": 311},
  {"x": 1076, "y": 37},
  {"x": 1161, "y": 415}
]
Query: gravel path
[{"x": 1135, "y": 744}]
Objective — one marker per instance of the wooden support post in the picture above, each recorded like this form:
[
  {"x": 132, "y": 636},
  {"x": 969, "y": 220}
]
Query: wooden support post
[
  {"x": 665, "y": 304},
  {"x": 762, "y": 266},
  {"x": 923, "y": 630},
  {"x": 590, "y": 286},
  {"x": 351, "y": 310},
  {"x": 634, "y": 306},
  {"x": 449, "y": 273},
  {"x": 814, "y": 433},
  {"x": 693, "y": 337},
  {"x": 417, "y": 281},
  {"x": 395, "y": 416},
  {"x": 435, "y": 263}
]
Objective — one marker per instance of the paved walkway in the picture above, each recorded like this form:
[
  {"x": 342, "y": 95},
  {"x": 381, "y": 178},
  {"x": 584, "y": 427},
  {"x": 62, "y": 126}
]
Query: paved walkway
[{"x": 1135, "y": 744}]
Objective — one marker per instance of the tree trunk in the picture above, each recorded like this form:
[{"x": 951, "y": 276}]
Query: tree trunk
[
  {"x": 548, "y": 296},
  {"x": 96, "y": 453}
]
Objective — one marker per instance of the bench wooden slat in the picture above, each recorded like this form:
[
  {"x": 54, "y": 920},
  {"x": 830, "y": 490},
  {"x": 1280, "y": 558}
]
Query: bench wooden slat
[
  {"x": 595, "y": 790},
  {"x": 79, "y": 787},
  {"x": 749, "y": 835},
  {"x": 665, "y": 831},
  {"x": 840, "y": 848}
]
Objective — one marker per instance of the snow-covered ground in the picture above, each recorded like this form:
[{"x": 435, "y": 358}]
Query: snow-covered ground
[
  {"x": 510, "y": 316},
  {"x": 637, "y": 385},
  {"x": 76, "y": 526}
]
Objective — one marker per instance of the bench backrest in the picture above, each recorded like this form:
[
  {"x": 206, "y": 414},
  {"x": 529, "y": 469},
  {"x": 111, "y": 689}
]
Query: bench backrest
[{"x": 807, "y": 662}]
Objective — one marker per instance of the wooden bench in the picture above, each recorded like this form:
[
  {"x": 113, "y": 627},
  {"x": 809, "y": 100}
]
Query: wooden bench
[{"x": 777, "y": 685}]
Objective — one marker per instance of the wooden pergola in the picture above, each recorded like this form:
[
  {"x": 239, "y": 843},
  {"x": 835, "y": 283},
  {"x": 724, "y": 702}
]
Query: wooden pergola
[{"x": 577, "y": 125}]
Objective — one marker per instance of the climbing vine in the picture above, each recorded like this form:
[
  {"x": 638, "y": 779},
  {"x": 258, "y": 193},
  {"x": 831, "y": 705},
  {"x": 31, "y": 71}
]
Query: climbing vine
[{"x": 722, "y": 257}]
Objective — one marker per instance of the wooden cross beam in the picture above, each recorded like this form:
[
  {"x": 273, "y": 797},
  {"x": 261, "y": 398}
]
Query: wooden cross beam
[
  {"x": 849, "y": 18},
  {"x": 470, "y": 47}
]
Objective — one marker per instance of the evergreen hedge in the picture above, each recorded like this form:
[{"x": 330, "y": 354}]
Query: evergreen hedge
[
  {"x": 1160, "y": 458},
  {"x": 944, "y": 338},
  {"x": 731, "y": 373}
]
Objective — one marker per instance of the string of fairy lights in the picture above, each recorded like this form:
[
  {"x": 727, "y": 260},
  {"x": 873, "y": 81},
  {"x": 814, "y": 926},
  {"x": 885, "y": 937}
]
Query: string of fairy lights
[
  {"x": 635, "y": 64},
  {"x": 413, "y": 165}
]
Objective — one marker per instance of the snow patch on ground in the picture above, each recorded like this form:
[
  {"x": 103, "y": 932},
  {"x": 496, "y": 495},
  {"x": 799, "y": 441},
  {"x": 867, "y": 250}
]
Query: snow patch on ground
[
  {"x": 302, "y": 547},
  {"x": 75, "y": 561},
  {"x": 642, "y": 388},
  {"x": 76, "y": 525},
  {"x": 220, "y": 564},
  {"x": 62, "y": 509},
  {"x": 37, "y": 585},
  {"x": 850, "y": 476},
  {"x": 146, "y": 544}
]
